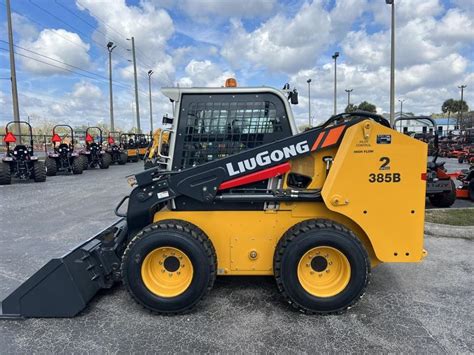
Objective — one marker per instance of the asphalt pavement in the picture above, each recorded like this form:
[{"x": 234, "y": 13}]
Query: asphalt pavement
[{"x": 422, "y": 308}]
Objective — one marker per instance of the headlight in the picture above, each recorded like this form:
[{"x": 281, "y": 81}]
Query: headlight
[{"x": 132, "y": 181}]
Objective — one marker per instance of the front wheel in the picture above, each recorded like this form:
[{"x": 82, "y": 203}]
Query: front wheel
[
  {"x": 105, "y": 161},
  {"x": 77, "y": 165},
  {"x": 321, "y": 267},
  {"x": 446, "y": 198},
  {"x": 123, "y": 158},
  {"x": 169, "y": 267}
]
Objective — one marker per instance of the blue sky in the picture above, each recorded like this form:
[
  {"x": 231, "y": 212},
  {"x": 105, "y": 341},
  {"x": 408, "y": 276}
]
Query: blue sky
[{"x": 260, "y": 42}]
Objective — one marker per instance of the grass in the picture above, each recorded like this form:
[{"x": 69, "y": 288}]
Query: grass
[{"x": 453, "y": 217}]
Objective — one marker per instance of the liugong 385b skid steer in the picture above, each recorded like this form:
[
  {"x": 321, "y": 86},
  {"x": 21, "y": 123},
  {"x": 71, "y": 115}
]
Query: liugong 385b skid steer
[{"x": 316, "y": 210}]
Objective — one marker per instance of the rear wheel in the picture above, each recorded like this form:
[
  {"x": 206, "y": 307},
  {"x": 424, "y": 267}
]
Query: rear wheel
[
  {"x": 169, "y": 266},
  {"x": 123, "y": 158},
  {"x": 51, "y": 166},
  {"x": 446, "y": 198},
  {"x": 39, "y": 171},
  {"x": 5, "y": 174},
  {"x": 321, "y": 267},
  {"x": 77, "y": 165}
]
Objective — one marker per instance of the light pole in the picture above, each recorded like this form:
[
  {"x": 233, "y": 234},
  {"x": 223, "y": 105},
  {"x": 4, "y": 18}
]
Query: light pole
[
  {"x": 150, "y": 73},
  {"x": 110, "y": 48},
  {"x": 16, "y": 110},
  {"x": 137, "y": 107},
  {"x": 349, "y": 96},
  {"x": 462, "y": 87},
  {"x": 335, "y": 55},
  {"x": 392, "y": 64},
  {"x": 309, "y": 102}
]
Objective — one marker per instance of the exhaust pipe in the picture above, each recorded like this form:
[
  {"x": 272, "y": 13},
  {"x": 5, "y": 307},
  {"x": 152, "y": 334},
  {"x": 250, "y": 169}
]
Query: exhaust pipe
[{"x": 64, "y": 286}]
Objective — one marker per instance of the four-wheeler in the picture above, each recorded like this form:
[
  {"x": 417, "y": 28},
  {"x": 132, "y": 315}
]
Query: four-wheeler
[
  {"x": 142, "y": 143},
  {"x": 94, "y": 155},
  {"x": 20, "y": 162},
  {"x": 440, "y": 188},
  {"x": 315, "y": 210},
  {"x": 129, "y": 144},
  {"x": 158, "y": 149},
  {"x": 118, "y": 155},
  {"x": 63, "y": 158}
]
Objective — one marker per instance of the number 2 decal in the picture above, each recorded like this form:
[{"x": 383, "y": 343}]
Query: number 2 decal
[{"x": 385, "y": 163}]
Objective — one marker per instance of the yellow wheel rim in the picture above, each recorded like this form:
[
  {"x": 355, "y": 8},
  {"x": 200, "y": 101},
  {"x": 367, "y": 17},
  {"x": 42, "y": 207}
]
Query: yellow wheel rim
[
  {"x": 324, "y": 271},
  {"x": 167, "y": 272}
]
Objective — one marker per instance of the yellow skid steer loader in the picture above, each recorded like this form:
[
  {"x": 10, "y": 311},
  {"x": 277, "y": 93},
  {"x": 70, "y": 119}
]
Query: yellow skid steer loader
[{"x": 245, "y": 194}]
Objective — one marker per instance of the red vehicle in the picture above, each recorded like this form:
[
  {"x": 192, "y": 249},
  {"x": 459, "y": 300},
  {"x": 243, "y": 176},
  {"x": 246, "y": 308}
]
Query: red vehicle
[{"x": 466, "y": 190}]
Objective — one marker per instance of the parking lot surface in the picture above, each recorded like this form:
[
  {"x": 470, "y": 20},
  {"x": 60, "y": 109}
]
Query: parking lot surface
[{"x": 425, "y": 307}]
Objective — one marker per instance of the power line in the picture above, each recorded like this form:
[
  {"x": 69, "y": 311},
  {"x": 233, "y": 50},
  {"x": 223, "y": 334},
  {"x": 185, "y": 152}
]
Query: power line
[
  {"x": 65, "y": 69},
  {"x": 117, "y": 83},
  {"x": 101, "y": 45}
]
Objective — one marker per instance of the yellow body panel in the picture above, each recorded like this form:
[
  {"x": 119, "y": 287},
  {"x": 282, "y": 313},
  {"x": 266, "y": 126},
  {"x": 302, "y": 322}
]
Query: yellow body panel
[
  {"x": 245, "y": 241},
  {"x": 142, "y": 151},
  {"x": 391, "y": 212}
]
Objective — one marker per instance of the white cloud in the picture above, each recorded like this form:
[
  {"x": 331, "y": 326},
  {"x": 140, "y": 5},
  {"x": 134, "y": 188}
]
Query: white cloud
[
  {"x": 152, "y": 28},
  {"x": 58, "y": 44},
  {"x": 288, "y": 44},
  {"x": 204, "y": 73}
]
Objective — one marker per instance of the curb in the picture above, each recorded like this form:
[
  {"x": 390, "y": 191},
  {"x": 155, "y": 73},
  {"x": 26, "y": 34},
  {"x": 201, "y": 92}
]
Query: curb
[{"x": 448, "y": 231}]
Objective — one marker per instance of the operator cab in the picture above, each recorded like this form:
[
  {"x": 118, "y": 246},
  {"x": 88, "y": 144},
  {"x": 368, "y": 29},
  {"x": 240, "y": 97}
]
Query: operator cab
[{"x": 212, "y": 123}]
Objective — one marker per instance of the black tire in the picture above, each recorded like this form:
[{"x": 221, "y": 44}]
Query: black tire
[
  {"x": 135, "y": 159},
  {"x": 123, "y": 158},
  {"x": 105, "y": 161},
  {"x": 470, "y": 188},
  {"x": 77, "y": 165},
  {"x": 176, "y": 234},
  {"x": 39, "y": 171},
  {"x": 461, "y": 160},
  {"x": 5, "y": 174},
  {"x": 51, "y": 166},
  {"x": 446, "y": 198},
  {"x": 85, "y": 162},
  {"x": 320, "y": 233}
]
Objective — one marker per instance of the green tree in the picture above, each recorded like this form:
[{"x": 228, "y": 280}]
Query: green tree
[
  {"x": 350, "y": 108},
  {"x": 367, "y": 106}
]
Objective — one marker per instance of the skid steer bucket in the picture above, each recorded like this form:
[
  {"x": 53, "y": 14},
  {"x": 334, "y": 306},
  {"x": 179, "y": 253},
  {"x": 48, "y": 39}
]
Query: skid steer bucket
[{"x": 64, "y": 286}]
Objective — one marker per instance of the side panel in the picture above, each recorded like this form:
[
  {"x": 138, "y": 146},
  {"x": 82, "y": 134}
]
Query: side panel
[
  {"x": 237, "y": 234},
  {"x": 376, "y": 180}
]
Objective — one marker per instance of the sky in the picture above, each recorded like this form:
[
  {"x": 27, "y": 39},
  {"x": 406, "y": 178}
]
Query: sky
[{"x": 62, "y": 59}]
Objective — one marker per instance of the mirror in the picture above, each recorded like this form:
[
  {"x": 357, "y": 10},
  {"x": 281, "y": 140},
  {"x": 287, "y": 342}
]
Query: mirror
[
  {"x": 167, "y": 120},
  {"x": 293, "y": 96}
]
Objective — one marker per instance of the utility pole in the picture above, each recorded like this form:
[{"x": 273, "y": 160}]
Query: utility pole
[
  {"x": 110, "y": 48},
  {"x": 150, "y": 73},
  {"x": 392, "y": 64},
  {"x": 349, "y": 96},
  {"x": 16, "y": 110},
  {"x": 462, "y": 87},
  {"x": 309, "y": 102},
  {"x": 137, "y": 107},
  {"x": 335, "y": 55}
]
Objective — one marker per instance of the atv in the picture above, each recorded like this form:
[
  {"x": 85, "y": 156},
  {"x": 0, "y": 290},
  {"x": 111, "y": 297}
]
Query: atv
[
  {"x": 129, "y": 143},
  {"x": 63, "y": 158},
  {"x": 118, "y": 155},
  {"x": 93, "y": 154},
  {"x": 440, "y": 188},
  {"x": 20, "y": 162}
]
